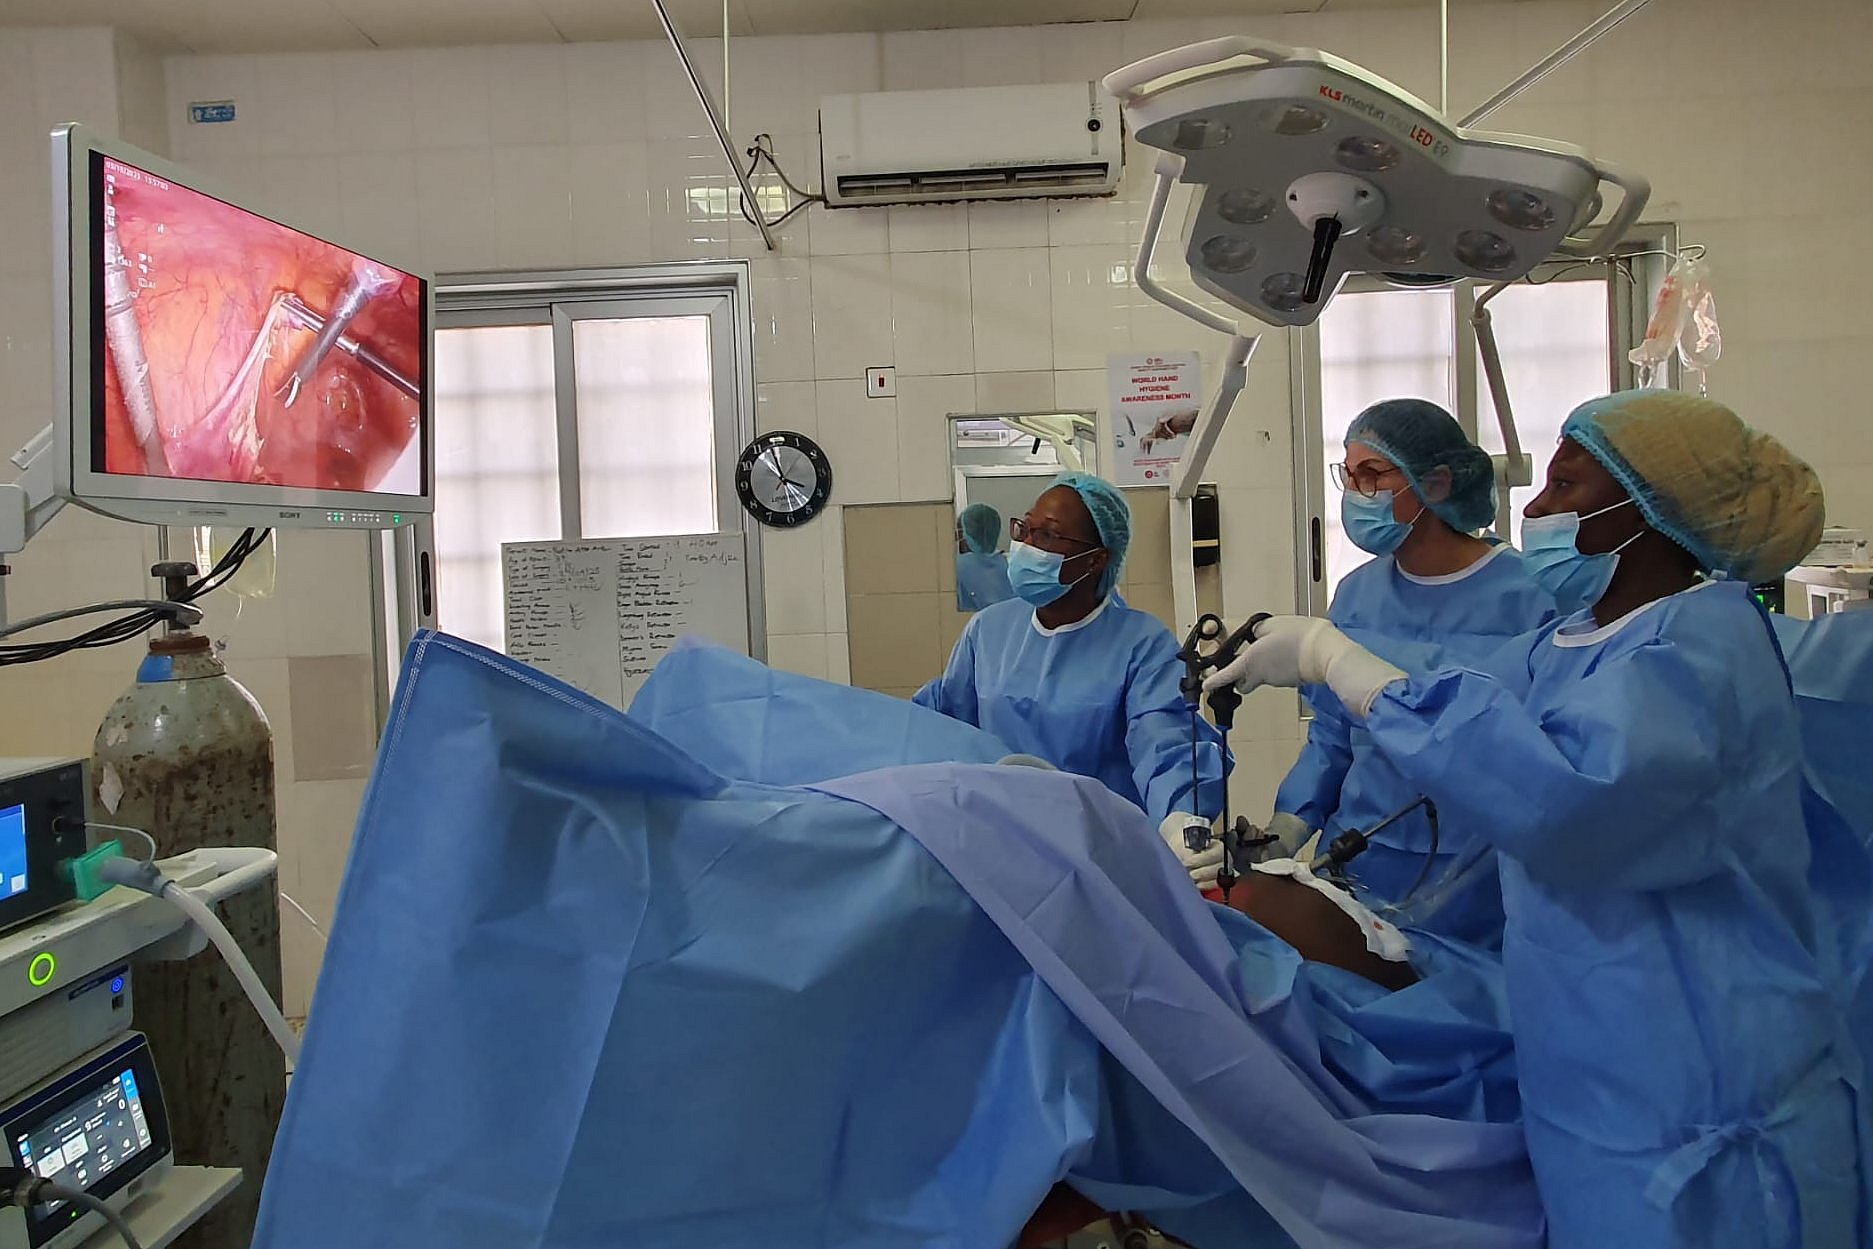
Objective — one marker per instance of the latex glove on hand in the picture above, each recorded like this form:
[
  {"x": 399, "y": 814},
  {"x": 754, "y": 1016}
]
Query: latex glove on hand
[
  {"x": 1201, "y": 864},
  {"x": 1291, "y": 651},
  {"x": 1290, "y": 833}
]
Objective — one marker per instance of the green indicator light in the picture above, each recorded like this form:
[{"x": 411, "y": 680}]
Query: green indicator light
[
  {"x": 42, "y": 969},
  {"x": 396, "y": 518}
]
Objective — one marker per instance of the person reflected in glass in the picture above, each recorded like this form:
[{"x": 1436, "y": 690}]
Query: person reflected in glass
[{"x": 981, "y": 569}]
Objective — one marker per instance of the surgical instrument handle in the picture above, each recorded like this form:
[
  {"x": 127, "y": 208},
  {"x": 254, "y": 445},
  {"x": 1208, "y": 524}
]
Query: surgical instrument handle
[{"x": 1350, "y": 845}]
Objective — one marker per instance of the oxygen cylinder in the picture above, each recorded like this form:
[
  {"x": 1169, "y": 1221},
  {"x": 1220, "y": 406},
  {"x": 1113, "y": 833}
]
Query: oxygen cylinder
[{"x": 186, "y": 754}]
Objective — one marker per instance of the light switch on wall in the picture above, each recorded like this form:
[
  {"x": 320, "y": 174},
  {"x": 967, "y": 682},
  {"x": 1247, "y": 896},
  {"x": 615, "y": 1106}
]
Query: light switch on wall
[{"x": 880, "y": 383}]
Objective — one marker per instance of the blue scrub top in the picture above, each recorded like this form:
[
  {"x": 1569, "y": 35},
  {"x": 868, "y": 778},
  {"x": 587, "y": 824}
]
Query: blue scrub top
[
  {"x": 1341, "y": 781},
  {"x": 1680, "y": 1038},
  {"x": 982, "y": 580},
  {"x": 1098, "y": 698}
]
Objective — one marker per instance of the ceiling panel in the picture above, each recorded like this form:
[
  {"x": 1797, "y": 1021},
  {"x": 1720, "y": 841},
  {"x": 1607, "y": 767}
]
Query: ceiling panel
[
  {"x": 827, "y": 17},
  {"x": 591, "y": 21},
  {"x": 430, "y": 23},
  {"x": 57, "y": 12},
  {"x": 251, "y": 26},
  {"x": 962, "y": 14},
  {"x": 314, "y": 25},
  {"x": 1151, "y": 10}
]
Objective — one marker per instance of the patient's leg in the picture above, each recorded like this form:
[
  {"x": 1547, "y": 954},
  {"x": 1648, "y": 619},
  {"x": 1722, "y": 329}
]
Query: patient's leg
[{"x": 1311, "y": 924}]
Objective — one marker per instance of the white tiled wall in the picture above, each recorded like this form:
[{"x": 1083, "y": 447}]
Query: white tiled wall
[{"x": 1746, "y": 117}]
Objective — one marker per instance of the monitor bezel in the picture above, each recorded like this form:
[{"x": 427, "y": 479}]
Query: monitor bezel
[{"x": 182, "y": 501}]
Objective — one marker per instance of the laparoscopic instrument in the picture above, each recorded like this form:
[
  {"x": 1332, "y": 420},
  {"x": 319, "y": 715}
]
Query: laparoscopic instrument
[
  {"x": 1238, "y": 836},
  {"x": 367, "y": 283}
]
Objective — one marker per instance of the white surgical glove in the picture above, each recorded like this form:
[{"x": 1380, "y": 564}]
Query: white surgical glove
[
  {"x": 1201, "y": 864},
  {"x": 1292, "y": 651},
  {"x": 1290, "y": 833}
]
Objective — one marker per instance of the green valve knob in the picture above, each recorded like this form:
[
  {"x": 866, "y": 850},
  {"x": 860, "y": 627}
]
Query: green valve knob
[{"x": 86, "y": 882}]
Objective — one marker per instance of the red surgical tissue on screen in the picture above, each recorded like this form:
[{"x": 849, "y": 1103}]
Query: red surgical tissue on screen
[{"x": 228, "y": 313}]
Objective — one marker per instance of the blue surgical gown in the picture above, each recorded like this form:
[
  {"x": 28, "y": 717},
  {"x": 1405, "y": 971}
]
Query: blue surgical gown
[
  {"x": 1342, "y": 782},
  {"x": 1099, "y": 699},
  {"x": 982, "y": 580},
  {"x": 1682, "y": 1054}
]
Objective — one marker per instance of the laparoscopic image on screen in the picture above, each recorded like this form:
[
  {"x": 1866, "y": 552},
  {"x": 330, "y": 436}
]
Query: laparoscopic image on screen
[{"x": 234, "y": 349}]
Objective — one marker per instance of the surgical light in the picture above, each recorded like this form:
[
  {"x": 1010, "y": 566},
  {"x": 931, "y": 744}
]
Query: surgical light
[{"x": 1372, "y": 178}]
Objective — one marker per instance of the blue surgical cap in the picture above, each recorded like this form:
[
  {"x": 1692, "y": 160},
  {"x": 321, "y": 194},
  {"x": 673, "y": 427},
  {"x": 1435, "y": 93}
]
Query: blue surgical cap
[
  {"x": 982, "y": 528},
  {"x": 1739, "y": 501},
  {"x": 1112, "y": 517},
  {"x": 1452, "y": 475}
]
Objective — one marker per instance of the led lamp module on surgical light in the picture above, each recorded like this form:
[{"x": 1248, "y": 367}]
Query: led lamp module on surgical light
[{"x": 1311, "y": 169}]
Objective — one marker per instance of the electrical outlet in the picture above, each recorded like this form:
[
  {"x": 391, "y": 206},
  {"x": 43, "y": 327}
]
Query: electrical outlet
[{"x": 880, "y": 383}]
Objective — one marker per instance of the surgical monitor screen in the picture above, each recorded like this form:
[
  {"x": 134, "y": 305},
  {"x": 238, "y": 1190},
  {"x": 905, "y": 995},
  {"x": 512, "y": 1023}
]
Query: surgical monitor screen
[{"x": 228, "y": 348}]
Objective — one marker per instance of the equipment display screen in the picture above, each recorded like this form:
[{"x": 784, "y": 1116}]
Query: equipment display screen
[
  {"x": 84, "y": 1142},
  {"x": 229, "y": 348},
  {"x": 12, "y": 851},
  {"x": 98, "y": 1128}
]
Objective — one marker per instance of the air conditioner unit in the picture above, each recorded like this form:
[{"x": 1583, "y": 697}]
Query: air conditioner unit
[{"x": 923, "y": 147}]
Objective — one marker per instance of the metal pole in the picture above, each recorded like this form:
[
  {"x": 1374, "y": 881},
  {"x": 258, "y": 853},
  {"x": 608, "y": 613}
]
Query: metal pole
[
  {"x": 1554, "y": 60},
  {"x": 1443, "y": 48},
  {"x": 715, "y": 122}
]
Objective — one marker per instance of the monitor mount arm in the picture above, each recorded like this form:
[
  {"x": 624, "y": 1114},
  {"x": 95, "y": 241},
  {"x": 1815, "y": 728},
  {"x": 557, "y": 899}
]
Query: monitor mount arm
[{"x": 28, "y": 503}]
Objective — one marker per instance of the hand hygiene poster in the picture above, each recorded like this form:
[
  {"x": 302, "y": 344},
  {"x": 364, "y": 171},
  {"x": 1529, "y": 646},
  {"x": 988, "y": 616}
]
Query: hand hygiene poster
[{"x": 1154, "y": 407}]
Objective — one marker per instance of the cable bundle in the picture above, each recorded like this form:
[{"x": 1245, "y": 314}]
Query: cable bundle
[{"x": 132, "y": 624}]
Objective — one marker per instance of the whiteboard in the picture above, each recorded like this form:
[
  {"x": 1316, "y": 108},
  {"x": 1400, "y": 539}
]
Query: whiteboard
[{"x": 599, "y": 613}]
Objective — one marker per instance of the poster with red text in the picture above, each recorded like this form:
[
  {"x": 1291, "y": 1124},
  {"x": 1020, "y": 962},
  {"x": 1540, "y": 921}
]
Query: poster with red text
[{"x": 1154, "y": 406}]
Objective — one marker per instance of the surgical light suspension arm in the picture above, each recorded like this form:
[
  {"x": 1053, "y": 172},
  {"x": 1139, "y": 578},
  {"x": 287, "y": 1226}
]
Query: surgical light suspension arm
[
  {"x": 1555, "y": 59},
  {"x": 1196, "y": 457},
  {"x": 1518, "y": 469},
  {"x": 715, "y": 121}
]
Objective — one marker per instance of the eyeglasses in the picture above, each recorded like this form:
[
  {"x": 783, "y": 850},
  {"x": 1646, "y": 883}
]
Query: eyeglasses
[
  {"x": 1366, "y": 479},
  {"x": 1021, "y": 531}
]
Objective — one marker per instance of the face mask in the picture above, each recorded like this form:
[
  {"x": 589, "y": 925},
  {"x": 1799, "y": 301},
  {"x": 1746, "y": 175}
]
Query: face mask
[
  {"x": 1551, "y": 554},
  {"x": 1035, "y": 574},
  {"x": 1370, "y": 524}
]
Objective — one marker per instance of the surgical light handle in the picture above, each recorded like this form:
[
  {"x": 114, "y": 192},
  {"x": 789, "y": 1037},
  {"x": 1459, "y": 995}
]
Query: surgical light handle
[
  {"x": 1128, "y": 82},
  {"x": 1634, "y": 193},
  {"x": 1168, "y": 168}
]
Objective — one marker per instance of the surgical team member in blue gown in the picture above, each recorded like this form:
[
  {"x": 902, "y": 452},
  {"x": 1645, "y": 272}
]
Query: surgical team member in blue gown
[
  {"x": 981, "y": 570},
  {"x": 1415, "y": 491},
  {"x": 1067, "y": 672},
  {"x": 1682, "y": 948}
]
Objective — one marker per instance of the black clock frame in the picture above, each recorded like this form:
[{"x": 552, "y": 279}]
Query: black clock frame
[{"x": 822, "y": 479}]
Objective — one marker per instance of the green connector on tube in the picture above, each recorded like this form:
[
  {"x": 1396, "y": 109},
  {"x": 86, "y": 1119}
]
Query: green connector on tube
[{"x": 84, "y": 870}]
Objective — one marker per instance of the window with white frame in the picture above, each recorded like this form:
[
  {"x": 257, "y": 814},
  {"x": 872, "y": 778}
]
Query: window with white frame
[
  {"x": 1556, "y": 337},
  {"x": 589, "y": 411}
]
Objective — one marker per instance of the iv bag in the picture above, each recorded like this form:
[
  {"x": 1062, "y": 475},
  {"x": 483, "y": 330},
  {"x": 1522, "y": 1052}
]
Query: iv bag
[
  {"x": 1700, "y": 342},
  {"x": 255, "y": 577},
  {"x": 1684, "y": 320}
]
